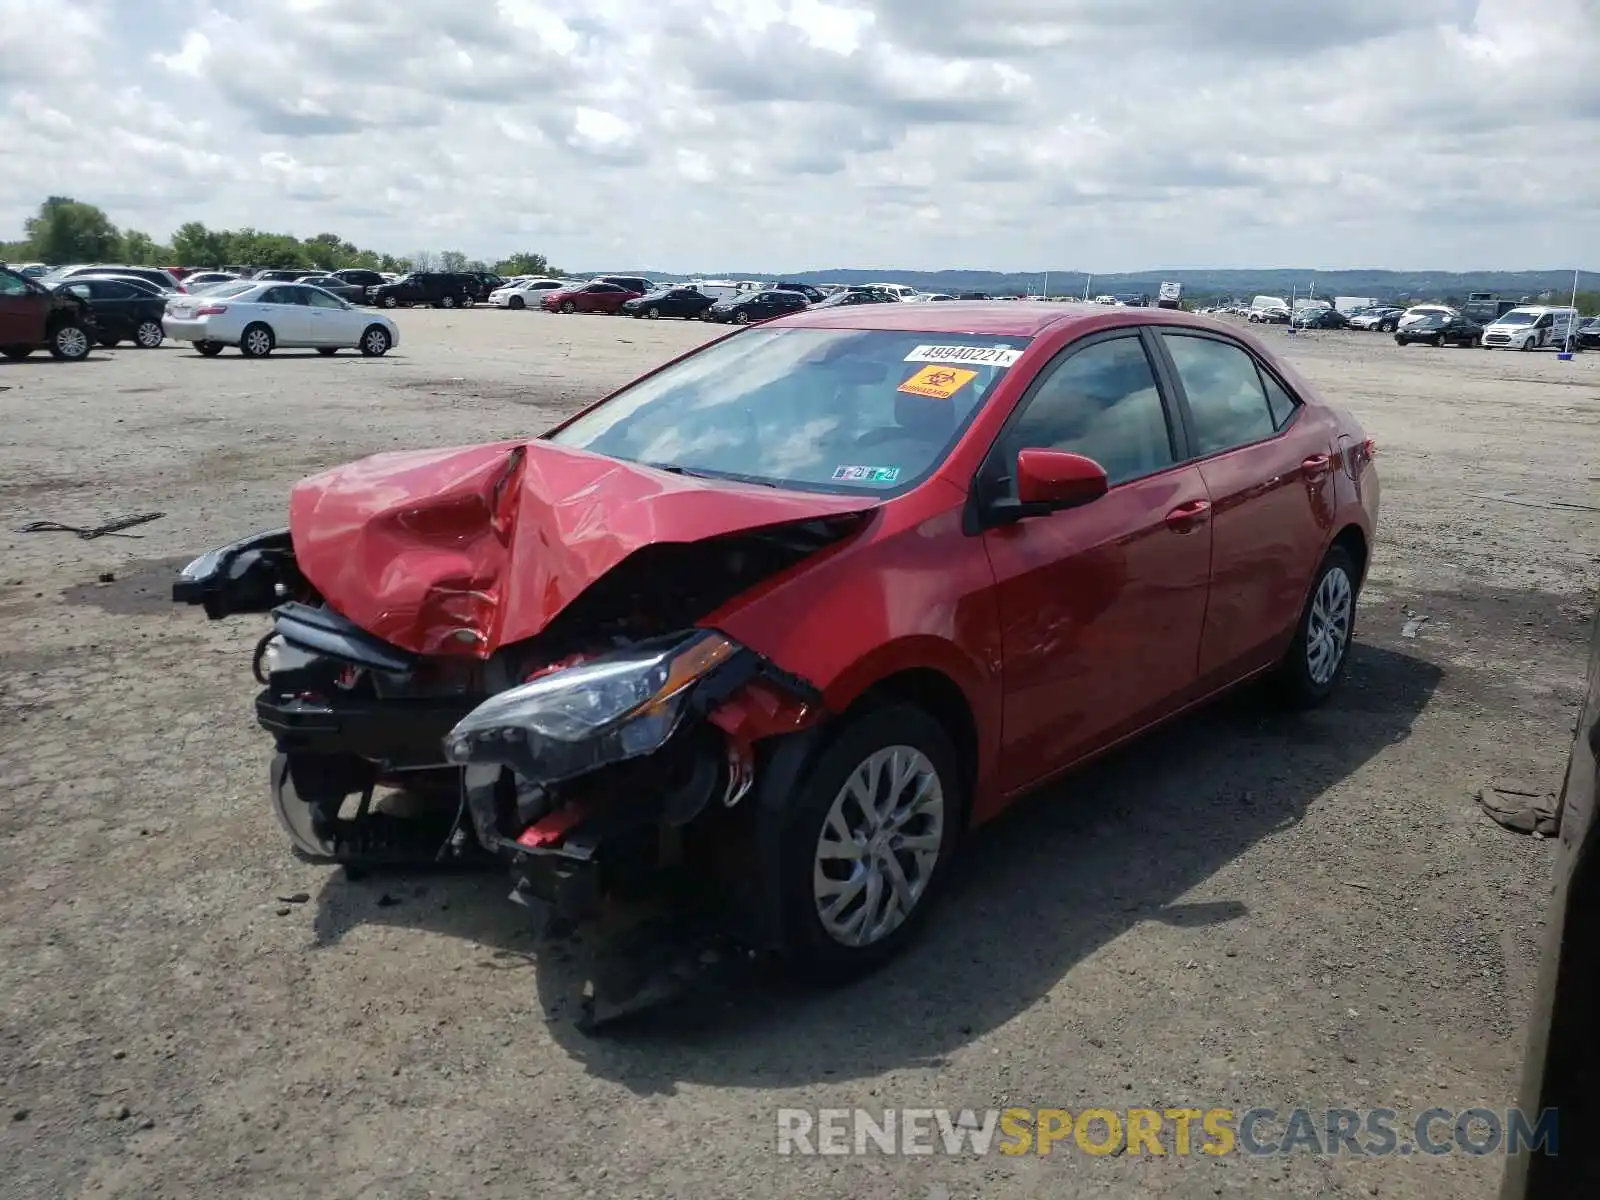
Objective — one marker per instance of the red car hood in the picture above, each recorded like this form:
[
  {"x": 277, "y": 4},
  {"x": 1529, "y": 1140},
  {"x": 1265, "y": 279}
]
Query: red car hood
[{"x": 467, "y": 549}]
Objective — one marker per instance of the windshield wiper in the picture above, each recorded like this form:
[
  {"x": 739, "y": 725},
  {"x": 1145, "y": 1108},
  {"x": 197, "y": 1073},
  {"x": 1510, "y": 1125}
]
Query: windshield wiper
[{"x": 675, "y": 469}]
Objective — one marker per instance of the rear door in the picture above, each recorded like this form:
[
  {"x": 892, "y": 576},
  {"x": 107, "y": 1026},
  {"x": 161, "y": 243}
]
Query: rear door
[
  {"x": 1101, "y": 606},
  {"x": 1267, "y": 462},
  {"x": 284, "y": 308},
  {"x": 116, "y": 306}
]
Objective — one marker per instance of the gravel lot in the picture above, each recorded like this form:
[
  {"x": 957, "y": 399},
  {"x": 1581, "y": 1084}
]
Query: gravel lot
[{"x": 1246, "y": 909}]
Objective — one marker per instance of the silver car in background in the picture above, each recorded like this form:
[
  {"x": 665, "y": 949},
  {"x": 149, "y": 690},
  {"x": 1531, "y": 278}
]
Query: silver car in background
[{"x": 260, "y": 317}]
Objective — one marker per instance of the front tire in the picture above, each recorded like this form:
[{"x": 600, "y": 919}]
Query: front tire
[
  {"x": 516, "y": 302},
  {"x": 69, "y": 342},
  {"x": 1317, "y": 656},
  {"x": 209, "y": 349},
  {"x": 568, "y": 307},
  {"x": 741, "y": 318},
  {"x": 16, "y": 353},
  {"x": 256, "y": 341},
  {"x": 327, "y": 351},
  {"x": 654, "y": 314},
  {"x": 467, "y": 302},
  {"x": 375, "y": 342},
  {"x": 447, "y": 302},
  {"x": 867, "y": 846},
  {"x": 389, "y": 302}
]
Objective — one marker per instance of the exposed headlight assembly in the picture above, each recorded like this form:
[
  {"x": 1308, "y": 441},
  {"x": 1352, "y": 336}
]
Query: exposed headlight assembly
[{"x": 606, "y": 710}]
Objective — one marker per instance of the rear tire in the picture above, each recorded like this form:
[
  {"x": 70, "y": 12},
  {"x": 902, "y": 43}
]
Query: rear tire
[
  {"x": 209, "y": 349},
  {"x": 257, "y": 340},
  {"x": 1320, "y": 650},
  {"x": 820, "y": 804},
  {"x": 16, "y": 353},
  {"x": 149, "y": 335},
  {"x": 327, "y": 351},
  {"x": 109, "y": 343}
]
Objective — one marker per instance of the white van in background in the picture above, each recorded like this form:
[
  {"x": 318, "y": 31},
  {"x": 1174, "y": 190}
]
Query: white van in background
[{"x": 1531, "y": 328}]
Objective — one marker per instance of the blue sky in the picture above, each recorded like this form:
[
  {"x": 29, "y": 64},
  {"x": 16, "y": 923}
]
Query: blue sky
[{"x": 794, "y": 134}]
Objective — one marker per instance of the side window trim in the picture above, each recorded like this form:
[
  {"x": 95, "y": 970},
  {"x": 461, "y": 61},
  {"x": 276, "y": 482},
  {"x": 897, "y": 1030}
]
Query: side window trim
[
  {"x": 1181, "y": 397},
  {"x": 1176, "y": 436}
]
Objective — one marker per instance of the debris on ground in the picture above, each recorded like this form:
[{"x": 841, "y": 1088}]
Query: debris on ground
[
  {"x": 107, "y": 529},
  {"x": 1522, "y": 808}
]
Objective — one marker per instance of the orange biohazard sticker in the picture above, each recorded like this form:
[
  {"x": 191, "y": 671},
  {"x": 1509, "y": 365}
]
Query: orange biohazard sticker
[{"x": 938, "y": 383}]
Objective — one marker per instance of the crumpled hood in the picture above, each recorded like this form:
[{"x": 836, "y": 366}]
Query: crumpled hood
[{"x": 466, "y": 549}]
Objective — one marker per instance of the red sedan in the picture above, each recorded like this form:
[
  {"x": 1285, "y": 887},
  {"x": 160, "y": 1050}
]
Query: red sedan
[
  {"x": 792, "y": 613},
  {"x": 591, "y": 297}
]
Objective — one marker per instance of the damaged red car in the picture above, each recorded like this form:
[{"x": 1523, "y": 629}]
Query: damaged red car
[{"x": 791, "y": 614}]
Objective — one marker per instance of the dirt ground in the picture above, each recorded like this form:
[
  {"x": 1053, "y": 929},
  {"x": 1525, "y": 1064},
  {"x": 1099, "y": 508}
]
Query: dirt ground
[{"x": 1245, "y": 909}]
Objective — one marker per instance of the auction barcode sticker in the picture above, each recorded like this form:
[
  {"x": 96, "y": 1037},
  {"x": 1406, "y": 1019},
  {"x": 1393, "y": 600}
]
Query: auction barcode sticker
[{"x": 988, "y": 356}]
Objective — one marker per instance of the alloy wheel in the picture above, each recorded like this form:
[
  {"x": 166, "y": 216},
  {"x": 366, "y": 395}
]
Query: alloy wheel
[
  {"x": 1328, "y": 628},
  {"x": 375, "y": 342},
  {"x": 149, "y": 335},
  {"x": 257, "y": 342},
  {"x": 879, "y": 846},
  {"x": 71, "y": 342}
]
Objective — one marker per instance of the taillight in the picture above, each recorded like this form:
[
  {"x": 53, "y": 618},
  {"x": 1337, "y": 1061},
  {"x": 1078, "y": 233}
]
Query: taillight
[{"x": 211, "y": 310}]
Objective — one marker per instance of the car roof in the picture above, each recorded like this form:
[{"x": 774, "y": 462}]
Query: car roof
[{"x": 962, "y": 316}]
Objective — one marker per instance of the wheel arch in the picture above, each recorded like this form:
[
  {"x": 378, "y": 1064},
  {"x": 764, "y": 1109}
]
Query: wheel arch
[
  {"x": 1352, "y": 539},
  {"x": 942, "y": 698}
]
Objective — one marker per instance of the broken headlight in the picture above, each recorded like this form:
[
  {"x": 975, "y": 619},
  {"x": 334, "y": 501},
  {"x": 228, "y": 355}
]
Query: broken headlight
[{"x": 606, "y": 710}]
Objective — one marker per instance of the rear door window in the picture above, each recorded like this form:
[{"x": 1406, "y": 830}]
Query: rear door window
[{"x": 1227, "y": 402}]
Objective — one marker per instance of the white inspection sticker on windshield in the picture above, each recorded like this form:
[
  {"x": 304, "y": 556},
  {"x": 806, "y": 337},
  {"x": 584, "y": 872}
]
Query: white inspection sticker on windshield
[{"x": 990, "y": 356}]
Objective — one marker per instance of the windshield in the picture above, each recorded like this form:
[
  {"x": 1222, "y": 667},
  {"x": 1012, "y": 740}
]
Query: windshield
[
  {"x": 839, "y": 410},
  {"x": 235, "y": 288},
  {"x": 1428, "y": 320},
  {"x": 1518, "y": 318}
]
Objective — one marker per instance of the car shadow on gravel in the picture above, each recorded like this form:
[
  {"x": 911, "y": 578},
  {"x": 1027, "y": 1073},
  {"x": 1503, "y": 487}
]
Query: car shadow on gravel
[{"x": 1059, "y": 876}]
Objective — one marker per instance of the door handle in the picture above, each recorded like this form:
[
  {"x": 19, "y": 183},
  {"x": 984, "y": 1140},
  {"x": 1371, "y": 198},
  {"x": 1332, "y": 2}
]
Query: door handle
[
  {"x": 1186, "y": 516},
  {"x": 1316, "y": 465}
]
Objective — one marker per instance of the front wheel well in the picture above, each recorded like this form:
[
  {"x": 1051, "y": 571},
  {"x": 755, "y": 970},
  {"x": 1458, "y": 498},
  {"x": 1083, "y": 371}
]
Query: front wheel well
[
  {"x": 1354, "y": 543},
  {"x": 942, "y": 698}
]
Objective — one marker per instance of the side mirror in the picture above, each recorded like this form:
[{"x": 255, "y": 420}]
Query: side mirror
[{"x": 1058, "y": 479}]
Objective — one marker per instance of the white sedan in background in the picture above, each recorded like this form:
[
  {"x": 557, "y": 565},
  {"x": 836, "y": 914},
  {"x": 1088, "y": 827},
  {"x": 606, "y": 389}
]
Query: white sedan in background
[
  {"x": 524, "y": 293},
  {"x": 261, "y": 317}
]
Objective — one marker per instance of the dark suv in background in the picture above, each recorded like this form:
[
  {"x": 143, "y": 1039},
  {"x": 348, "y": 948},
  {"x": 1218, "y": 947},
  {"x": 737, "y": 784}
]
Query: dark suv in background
[
  {"x": 441, "y": 289},
  {"x": 484, "y": 282}
]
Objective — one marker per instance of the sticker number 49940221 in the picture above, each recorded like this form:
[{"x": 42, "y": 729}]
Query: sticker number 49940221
[{"x": 976, "y": 356}]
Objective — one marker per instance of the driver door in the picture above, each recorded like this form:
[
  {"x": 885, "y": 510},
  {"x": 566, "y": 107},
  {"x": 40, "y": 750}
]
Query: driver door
[
  {"x": 330, "y": 323},
  {"x": 22, "y": 309},
  {"x": 1101, "y": 606}
]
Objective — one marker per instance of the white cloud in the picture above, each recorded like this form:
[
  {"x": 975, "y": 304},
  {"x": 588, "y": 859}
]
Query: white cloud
[{"x": 786, "y": 134}]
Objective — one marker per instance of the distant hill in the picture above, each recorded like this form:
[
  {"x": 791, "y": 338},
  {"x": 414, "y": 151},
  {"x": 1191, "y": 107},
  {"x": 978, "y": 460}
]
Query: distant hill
[{"x": 1220, "y": 284}]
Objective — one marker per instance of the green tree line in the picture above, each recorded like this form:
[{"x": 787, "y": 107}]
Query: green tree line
[{"x": 69, "y": 231}]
